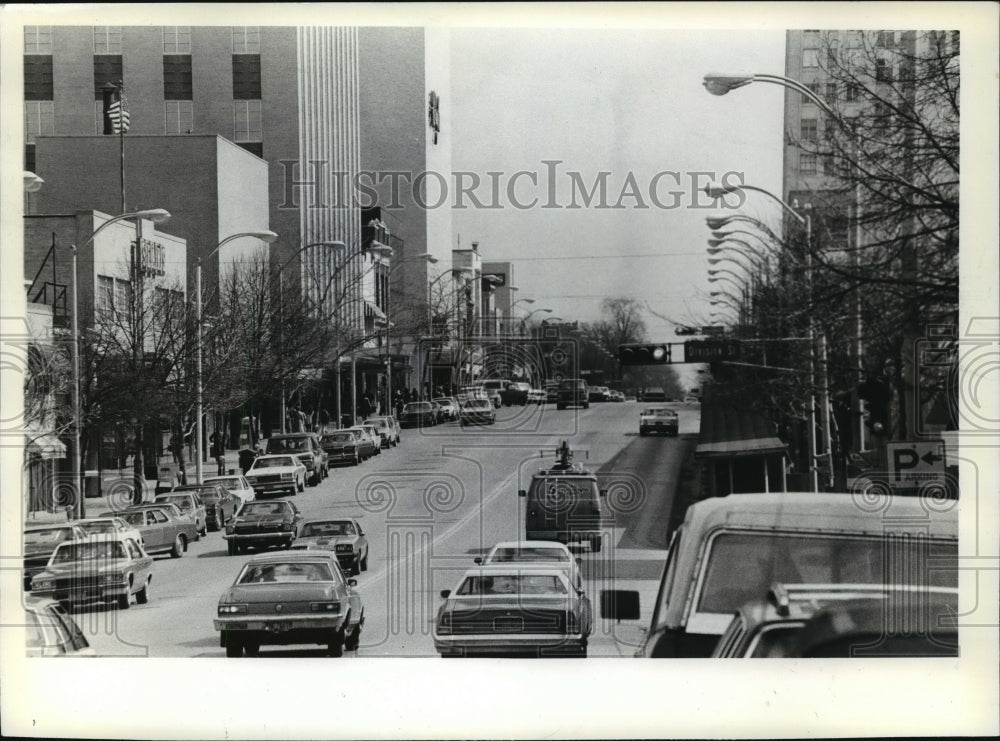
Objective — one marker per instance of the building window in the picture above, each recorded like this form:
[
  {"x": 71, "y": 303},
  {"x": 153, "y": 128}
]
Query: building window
[
  {"x": 246, "y": 77},
  {"x": 814, "y": 89},
  {"x": 247, "y": 121},
  {"x": 105, "y": 294},
  {"x": 107, "y": 39},
  {"x": 256, "y": 148},
  {"x": 39, "y": 119},
  {"x": 107, "y": 71},
  {"x": 810, "y": 39},
  {"x": 883, "y": 71},
  {"x": 246, "y": 39},
  {"x": 177, "y": 83},
  {"x": 37, "y": 39},
  {"x": 809, "y": 130},
  {"x": 831, "y": 57},
  {"x": 807, "y": 163},
  {"x": 179, "y": 116},
  {"x": 810, "y": 57},
  {"x": 831, "y": 93},
  {"x": 177, "y": 39},
  {"x": 851, "y": 93},
  {"x": 123, "y": 295},
  {"x": 38, "y": 77},
  {"x": 29, "y": 157},
  {"x": 829, "y": 165}
]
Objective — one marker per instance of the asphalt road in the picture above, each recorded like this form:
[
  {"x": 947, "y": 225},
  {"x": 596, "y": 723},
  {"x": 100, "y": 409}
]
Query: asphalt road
[{"x": 428, "y": 507}]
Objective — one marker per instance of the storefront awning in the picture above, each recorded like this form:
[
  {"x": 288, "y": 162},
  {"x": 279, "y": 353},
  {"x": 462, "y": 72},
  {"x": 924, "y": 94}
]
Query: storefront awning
[
  {"x": 45, "y": 445},
  {"x": 729, "y": 430}
]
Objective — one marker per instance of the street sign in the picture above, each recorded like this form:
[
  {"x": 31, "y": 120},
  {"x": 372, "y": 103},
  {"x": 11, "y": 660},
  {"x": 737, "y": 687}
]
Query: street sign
[
  {"x": 915, "y": 464},
  {"x": 703, "y": 351}
]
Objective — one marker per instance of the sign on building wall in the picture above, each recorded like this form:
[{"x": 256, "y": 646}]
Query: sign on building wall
[{"x": 153, "y": 259}]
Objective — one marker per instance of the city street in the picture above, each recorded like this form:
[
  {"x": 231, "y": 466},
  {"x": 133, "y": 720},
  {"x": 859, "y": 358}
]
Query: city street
[{"x": 428, "y": 507}]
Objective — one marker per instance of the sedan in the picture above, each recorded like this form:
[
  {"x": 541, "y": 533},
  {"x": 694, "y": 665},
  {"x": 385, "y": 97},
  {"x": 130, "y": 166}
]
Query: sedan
[
  {"x": 514, "y": 609},
  {"x": 220, "y": 506},
  {"x": 188, "y": 501},
  {"x": 237, "y": 485},
  {"x": 109, "y": 525},
  {"x": 51, "y": 631},
  {"x": 263, "y": 524},
  {"x": 290, "y": 598},
  {"x": 368, "y": 444},
  {"x": 344, "y": 538},
  {"x": 537, "y": 396},
  {"x": 341, "y": 447},
  {"x": 418, "y": 414},
  {"x": 284, "y": 474},
  {"x": 164, "y": 528},
  {"x": 96, "y": 570},
  {"x": 477, "y": 411},
  {"x": 449, "y": 408},
  {"x": 659, "y": 420},
  {"x": 386, "y": 433},
  {"x": 41, "y": 540}
]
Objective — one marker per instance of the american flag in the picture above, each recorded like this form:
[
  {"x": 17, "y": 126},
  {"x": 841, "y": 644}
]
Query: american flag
[{"x": 118, "y": 113}]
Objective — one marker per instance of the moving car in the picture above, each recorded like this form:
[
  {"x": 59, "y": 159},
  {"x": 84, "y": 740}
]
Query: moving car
[
  {"x": 449, "y": 408},
  {"x": 110, "y": 569},
  {"x": 418, "y": 414},
  {"x": 263, "y": 524},
  {"x": 110, "y": 525},
  {"x": 494, "y": 388},
  {"x": 41, "y": 540},
  {"x": 692, "y": 400},
  {"x": 730, "y": 549},
  {"x": 573, "y": 392},
  {"x": 341, "y": 446},
  {"x": 547, "y": 552},
  {"x": 597, "y": 393},
  {"x": 220, "y": 506},
  {"x": 515, "y": 393},
  {"x": 51, "y": 631},
  {"x": 519, "y": 608},
  {"x": 537, "y": 396},
  {"x": 344, "y": 537},
  {"x": 368, "y": 444},
  {"x": 658, "y": 420},
  {"x": 477, "y": 412},
  {"x": 654, "y": 393},
  {"x": 385, "y": 429},
  {"x": 164, "y": 528},
  {"x": 290, "y": 598},
  {"x": 237, "y": 485},
  {"x": 306, "y": 447},
  {"x": 188, "y": 501},
  {"x": 285, "y": 474},
  {"x": 563, "y": 503}
]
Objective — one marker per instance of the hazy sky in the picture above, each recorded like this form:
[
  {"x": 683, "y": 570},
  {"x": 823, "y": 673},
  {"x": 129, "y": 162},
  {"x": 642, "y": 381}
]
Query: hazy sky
[{"x": 621, "y": 102}]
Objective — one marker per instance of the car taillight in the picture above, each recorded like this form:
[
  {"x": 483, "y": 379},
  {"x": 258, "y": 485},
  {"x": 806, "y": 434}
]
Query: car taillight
[
  {"x": 286, "y": 526},
  {"x": 232, "y": 609},
  {"x": 572, "y": 624},
  {"x": 331, "y": 607}
]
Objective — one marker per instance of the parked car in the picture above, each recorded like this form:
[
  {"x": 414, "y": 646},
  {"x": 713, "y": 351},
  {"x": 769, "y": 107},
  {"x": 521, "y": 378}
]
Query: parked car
[
  {"x": 41, "y": 540},
  {"x": 110, "y": 525},
  {"x": 367, "y": 443},
  {"x": 263, "y": 524},
  {"x": 518, "y": 609},
  {"x": 110, "y": 569},
  {"x": 290, "y": 598},
  {"x": 237, "y": 485},
  {"x": 51, "y": 631},
  {"x": 373, "y": 434},
  {"x": 552, "y": 394},
  {"x": 658, "y": 420},
  {"x": 477, "y": 412},
  {"x": 341, "y": 446},
  {"x": 654, "y": 393},
  {"x": 730, "y": 549},
  {"x": 221, "y": 506},
  {"x": 164, "y": 528},
  {"x": 418, "y": 414},
  {"x": 573, "y": 392},
  {"x": 516, "y": 392},
  {"x": 304, "y": 445},
  {"x": 617, "y": 396},
  {"x": 285, "y": 474},
  {"x": 345, "y": 538},
  {"x": 449, "y": 408},
  {"x": 188, "y": 501},
  {"x": 386, "y": 432},
  {"x": 692, "y": 400},
  {"x": 537, "y": 396},
  {"x": 596, "y": 393}
]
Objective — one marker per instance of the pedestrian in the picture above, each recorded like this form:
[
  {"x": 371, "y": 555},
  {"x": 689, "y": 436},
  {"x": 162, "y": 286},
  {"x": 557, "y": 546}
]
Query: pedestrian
[
  {"x": 324, "y": 420},
  {"x": 365, "y": 407},
  {"x": 175, "y": 447},
  {"x": 218, "y": 451}
]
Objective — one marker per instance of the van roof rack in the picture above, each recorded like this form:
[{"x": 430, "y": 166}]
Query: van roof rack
[{"x": 564, "y": 455}]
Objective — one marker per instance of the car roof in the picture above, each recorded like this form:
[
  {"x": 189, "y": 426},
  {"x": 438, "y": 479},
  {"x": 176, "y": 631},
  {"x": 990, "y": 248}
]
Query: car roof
[
  {"x": 516, "y": 567},
  {"x": 303, "y": 555},
  {"x": 99, "y": 538},
  {"x": 275, "y": 455},
  {"x": 50, "y": 526},
  {"x": 283, "y": 435},
  {"x": 520, "y": 544},
  {"x": 313, "y": 521}
]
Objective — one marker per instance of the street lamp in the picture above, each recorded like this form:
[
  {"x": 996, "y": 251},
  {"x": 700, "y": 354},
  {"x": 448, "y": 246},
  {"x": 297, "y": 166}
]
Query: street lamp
[
  {"x": 157, "y": 216},
  {"x": 32, "y": 182},
  {"x": 265, "y": 235}
]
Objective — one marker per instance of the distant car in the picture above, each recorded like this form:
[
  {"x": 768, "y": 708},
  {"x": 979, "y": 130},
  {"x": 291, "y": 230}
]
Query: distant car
[
  {"x": 477, "y": 412},
  {"x": 304, "y": 445},
  {"x": 263, "y": 524},
  {"x": 535, "y": 552},
  {"x": 418, "y": 414},
  {"x": 237, "y": 485},
  {"x": 654, "y": 393},
  {"x": 51, "y": 631},
  {"x": 368, "y": 444},
  {"x": 109, "y": 525},
  {"x": 164, "y": 528},
  {"x": 449, "y": 408},
  {"x": 103, "y": 569},
  {"x": 375, "y": 436},
  {"x": 515, "y": 393},
  {"x": 41, "y": 540},
  {"x": 519, "y": 609},
  {"x": 341, "y": 446},
  {"x": 617, "y": 396},
  {"x": 290, "y": 598},
  {"x": 221, "y": 506},
  {"x": 494, "y": 388},
  {"x": 658, "y": 420},
  {"x": 573, "y": 392},
  {"x": 284, "y": 474},
  {"x": 692, "y": 400},
  {"x": 552, "y": 394},
  {"x": 388, "y": 436},
  {"x": 344, "y": 537},
  {"x": 537, "y": 396},
  {"x": 188, "y": 501}
]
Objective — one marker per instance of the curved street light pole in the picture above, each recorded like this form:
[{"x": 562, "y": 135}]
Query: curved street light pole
[{"x": 157, "y": 216}]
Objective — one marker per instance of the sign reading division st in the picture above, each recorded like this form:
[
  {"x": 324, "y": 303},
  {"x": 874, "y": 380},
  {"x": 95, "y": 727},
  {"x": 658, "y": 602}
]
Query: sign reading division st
[{"x": 703, "y": 351}]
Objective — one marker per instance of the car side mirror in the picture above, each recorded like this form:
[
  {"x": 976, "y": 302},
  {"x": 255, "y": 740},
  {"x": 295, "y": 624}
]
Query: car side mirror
[
  {"x": 445, "y": 593},
  {"x": 360, "y": 531},
  {"x": 352, "y": 582},
  {"x": 619, "y": 604},
  {"x": 603, "y": 492},
  {"x": 477, "y": 560},
  {"x": 522, "y": 493}
]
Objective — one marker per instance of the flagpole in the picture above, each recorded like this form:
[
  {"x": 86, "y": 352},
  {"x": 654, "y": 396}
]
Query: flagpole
[{"x": 121, "y": 139}]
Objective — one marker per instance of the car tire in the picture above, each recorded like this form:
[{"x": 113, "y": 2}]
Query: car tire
[
  {"x": 642, "y": 432},
  {"x": 364, "y": 562},
  {"x": 354, "y": 640},
  {"x": 251, "y": 648},
  {"x": 356, "y": 568},
  {"x": 357, "y": 460},
  {"x": 587, "y": 405},
  {"x": 124, "y": 601},
  {"x": 595, "y": 544},
  {"x": 179, "y": 546},
  {"x": 335, "y": 647},
  {"x": 302, "y": 484},
  {"x": 234, "y": 646},
  {"x": 142, "y": 596},
  {"x": 233, "y": 548},
  {"x": 560, "y": 407}
]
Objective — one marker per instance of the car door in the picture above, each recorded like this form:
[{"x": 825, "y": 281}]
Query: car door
[
  {"x": 362, "y": 539},
  {"x": 166, "y": 527},
  {"x": 152, "y": 532}
]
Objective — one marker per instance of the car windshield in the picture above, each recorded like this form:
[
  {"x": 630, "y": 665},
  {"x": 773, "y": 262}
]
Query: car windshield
[
  {"x": 69, "y": 552},
  {"x": 287, "y": 445},
  {"x": 98, "y": 526},
  {"x": 533, "y": 553},
  {"x": 230, "y": 482},
  {"x": 559, "y": 491},
  {"x": 285, "y": 573},
  {"x": 210, "y": 495},
  {"x": 47, "y": 537},
  {"x": 182, "y": 502},
  {"x": 478, "y": 404},
  {"x": 317, "y": 529},
  {"x": 742, "y": 566},
  {"x": 545, "y": 584},
  {"x": 278, "y": 461},
  {"x": 445, "y": 402},
  {"x": 264, "y": 508},
  {"x": 419, "y": 406},
  {"x": 341, "y": 437},
  {"x": 133, "y": 518}
]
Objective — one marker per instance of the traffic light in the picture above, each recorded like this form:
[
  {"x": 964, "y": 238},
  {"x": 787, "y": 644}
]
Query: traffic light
[
  {"x": 644, "y": 354},
  {"x": 878, "y": 394}
]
